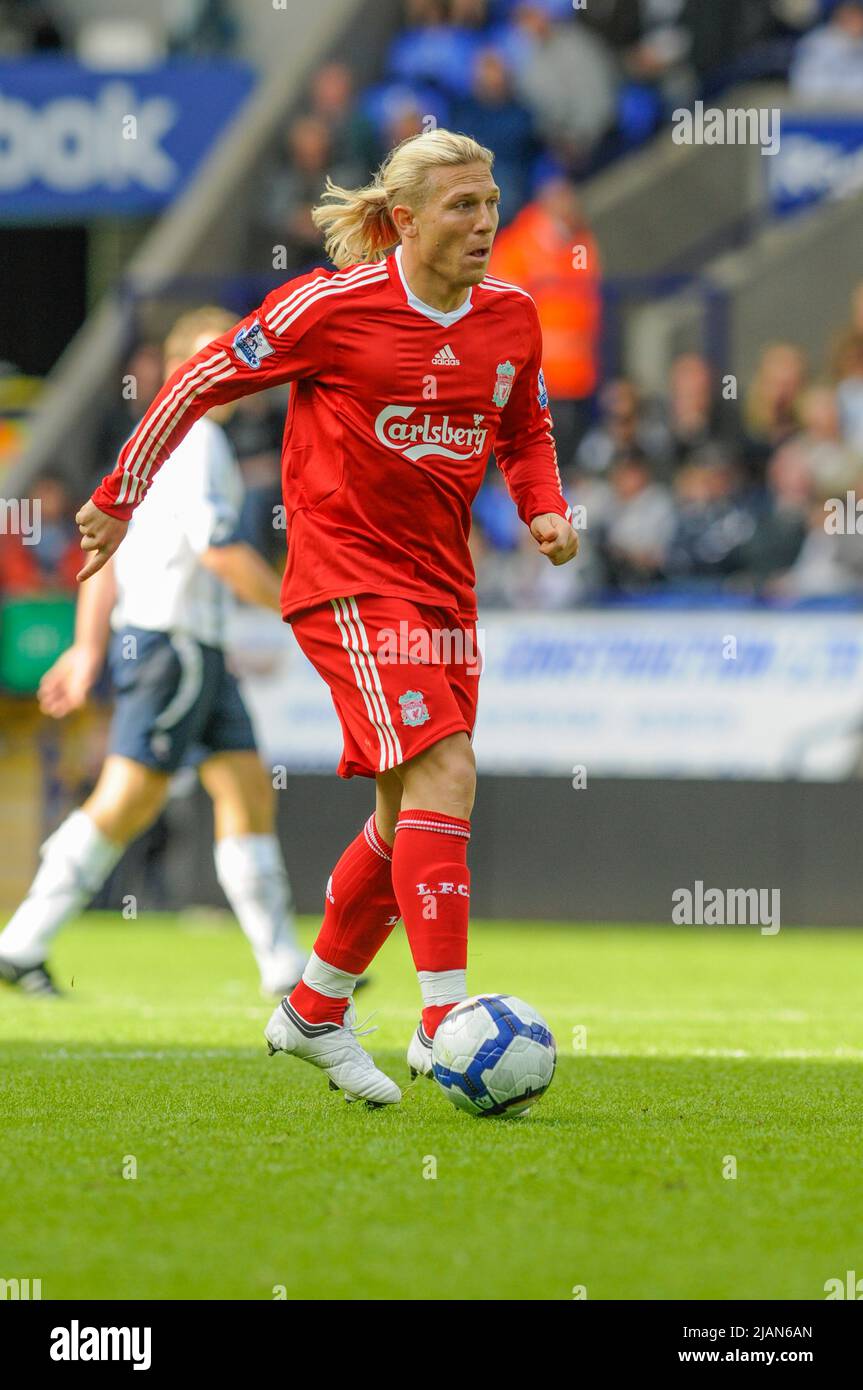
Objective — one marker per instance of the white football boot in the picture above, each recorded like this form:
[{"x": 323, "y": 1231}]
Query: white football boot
[
  {"x": 334, "y": 1048},
  {"x": 420, "y": 1053}
]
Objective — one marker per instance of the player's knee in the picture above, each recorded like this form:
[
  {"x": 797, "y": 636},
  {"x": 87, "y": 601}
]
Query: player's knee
[{"x": 449, "y": 772}]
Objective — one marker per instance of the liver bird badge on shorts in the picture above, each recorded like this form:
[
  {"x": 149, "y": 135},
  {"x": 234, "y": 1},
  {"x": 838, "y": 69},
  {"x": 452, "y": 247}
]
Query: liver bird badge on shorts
[
  {"x": 503, "y": 383},
  {"x": 414, "y": 708}
]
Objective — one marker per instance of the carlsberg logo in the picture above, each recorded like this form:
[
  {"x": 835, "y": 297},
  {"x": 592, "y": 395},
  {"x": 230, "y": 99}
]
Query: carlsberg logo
[{"x": 421, "y": 437}]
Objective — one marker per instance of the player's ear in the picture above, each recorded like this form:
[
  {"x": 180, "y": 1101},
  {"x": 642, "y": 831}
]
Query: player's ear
[{"x": 404, "y": 220}]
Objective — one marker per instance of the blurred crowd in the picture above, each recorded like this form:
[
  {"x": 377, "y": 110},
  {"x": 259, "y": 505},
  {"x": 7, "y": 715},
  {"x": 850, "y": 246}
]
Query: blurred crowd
[{"x": 703, "y": 491}]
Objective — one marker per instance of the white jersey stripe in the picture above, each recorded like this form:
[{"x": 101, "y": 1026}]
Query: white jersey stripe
[
  {"x": 346, "y": 644},
  {"x": 345, "y": 277},
  {"x": 501, "y": 287},
  {"x": 360, "y": 676},
  {"x": 403, "y": 823},
  {"x": 309, "y": 292},
  {"x": 390, "y": 728},
  {"x": 185, "y": 383},
  {"x": 372, "y": 844},
  {"x": 134, "y": 492},
  {"x": 367, "y": 666},
  {"x": 285, "y": 323},
  {"x": 131, "y": 466}
]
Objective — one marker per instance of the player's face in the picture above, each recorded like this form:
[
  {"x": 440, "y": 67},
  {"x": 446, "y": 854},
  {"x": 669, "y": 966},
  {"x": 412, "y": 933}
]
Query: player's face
[{"x": 457, "y": 223}]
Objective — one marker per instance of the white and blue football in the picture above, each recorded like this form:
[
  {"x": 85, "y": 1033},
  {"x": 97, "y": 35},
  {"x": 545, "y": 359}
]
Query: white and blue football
[{"x": 493, "y": 1055}]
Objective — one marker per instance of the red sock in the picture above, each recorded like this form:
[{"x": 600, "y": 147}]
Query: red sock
[
  {"x": 432, "y": 884},
  {"x": 360, "y": 912}
]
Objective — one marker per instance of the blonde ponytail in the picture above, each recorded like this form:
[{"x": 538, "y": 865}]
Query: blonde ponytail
[{"x": 357, "y": 222}]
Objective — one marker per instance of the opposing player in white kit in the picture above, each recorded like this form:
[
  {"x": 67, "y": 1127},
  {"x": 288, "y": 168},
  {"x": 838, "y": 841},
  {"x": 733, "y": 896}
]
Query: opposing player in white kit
[{"x": 167, "y": 596}]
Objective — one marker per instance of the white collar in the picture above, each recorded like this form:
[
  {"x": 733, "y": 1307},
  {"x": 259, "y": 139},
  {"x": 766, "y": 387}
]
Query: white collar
[{"x": 436, "y": 315}]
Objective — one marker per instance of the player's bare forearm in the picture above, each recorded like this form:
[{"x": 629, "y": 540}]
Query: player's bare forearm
[
  {"x": 101, "y": 535},
  {"x": 246, "y": 574},
  {"x": 555, "y": 537},
  {"x": 93, "y": 612}
]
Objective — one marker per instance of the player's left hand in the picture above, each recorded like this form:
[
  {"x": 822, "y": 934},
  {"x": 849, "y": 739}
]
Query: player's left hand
[
  {"x": 100, "y": 534},
  {"x": 557, "y": 540}
]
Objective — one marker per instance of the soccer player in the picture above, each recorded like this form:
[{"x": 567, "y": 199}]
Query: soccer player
[
  {"x": 177, "y": 705},
  {"x": 410, "y": 364}
]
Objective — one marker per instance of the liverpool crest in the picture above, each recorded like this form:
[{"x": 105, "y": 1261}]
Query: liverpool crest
[
  {"x": 414, "y": 708},
  {"x": 503, "y": 383}
]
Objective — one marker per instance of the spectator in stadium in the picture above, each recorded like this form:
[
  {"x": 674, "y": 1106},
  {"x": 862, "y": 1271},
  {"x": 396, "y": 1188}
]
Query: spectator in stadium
[
  {"x": 424, "y": 14},
  {"x": 827, "y": 565},
  {"x": 549, "y": 250},
  {"x": 780, "y": 523},
  {"x": 624, "y": 423},
  {"x": 659, "y": 56},
  {"x": 567, "y": 77},
  {"x": 469, "y": 14},
  {"x": 42, "y": 555},
  {"x": 696, "y": 414},
  {"x": 436, "y": 47},
  {"x": 640, "y": 522},
  {"x": 828, "y": 63},
  {"x": 353, "y": 143},
  {"x": 405, "y": 121},
  {"x": 830, "y": 461},
  {"x": 492, "y": 115},
  {"x": 292, "y": 188},
  {"x": 772, "y": 406},
  {"x": 715, "y": 518}
]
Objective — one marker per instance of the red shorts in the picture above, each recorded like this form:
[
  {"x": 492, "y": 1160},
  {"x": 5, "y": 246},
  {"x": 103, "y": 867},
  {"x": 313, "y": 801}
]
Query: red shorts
[{"x": 402, "y": 675}]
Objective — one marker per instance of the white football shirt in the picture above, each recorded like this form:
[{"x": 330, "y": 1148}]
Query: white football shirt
[{"x": 193, "y": 504}]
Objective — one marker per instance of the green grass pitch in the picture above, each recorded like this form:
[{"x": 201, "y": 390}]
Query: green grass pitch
[{"x": 252, "y": 1177}]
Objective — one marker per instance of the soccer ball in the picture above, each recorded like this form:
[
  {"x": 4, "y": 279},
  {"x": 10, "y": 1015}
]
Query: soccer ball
[{"x": 493, "y": 1055}]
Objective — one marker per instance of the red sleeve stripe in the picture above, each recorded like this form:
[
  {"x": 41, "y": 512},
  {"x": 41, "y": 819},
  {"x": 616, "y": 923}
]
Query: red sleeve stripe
[
  {"x": 157, "y": 426},
  {"x": 302, "y": 299}
]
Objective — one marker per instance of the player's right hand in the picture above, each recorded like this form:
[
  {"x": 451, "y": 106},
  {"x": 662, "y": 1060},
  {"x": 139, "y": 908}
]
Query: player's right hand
[
  {"x": 101, "y": 534},
  {"x": 66, "y": 685}
]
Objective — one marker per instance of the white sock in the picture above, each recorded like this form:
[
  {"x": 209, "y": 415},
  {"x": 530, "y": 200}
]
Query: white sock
[
  {"x": 252, "y": 873},
  {"x": 442, "y": 986},
  {"x": 328, "y": 979},
  {"x": 76, "y": 860}
]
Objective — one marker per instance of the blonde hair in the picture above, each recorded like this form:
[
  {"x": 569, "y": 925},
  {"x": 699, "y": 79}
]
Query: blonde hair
[
  {"x": 209, "y": 322},
  {"x": 357, "y": 222}
]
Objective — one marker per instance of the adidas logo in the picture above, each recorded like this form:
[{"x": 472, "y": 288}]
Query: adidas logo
[{"x": 445, "y": 358}]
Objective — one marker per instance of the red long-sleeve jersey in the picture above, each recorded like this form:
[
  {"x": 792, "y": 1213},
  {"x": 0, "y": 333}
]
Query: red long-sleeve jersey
[{"x": 394, "y": 410}]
